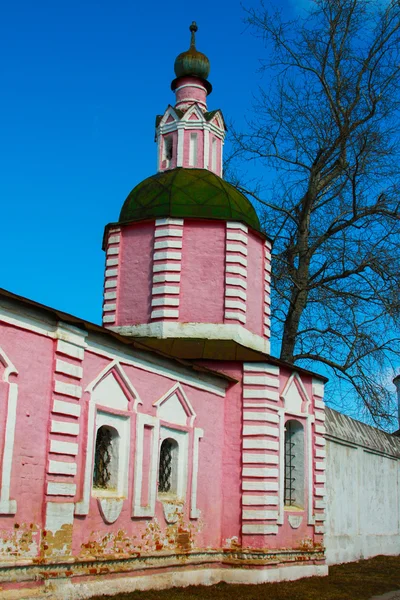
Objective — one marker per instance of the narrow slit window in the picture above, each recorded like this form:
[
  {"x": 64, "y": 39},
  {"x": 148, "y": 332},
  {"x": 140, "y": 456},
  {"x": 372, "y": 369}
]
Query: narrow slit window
[
  {"x": 105, "y": 472},
  {"x": 294, "y": 464},
  {"x": 214, "y": 154},
  {"x": 167, "y": 471},
  {"x": 168, "y": 149},
  {"x": 193, "y": 150}
]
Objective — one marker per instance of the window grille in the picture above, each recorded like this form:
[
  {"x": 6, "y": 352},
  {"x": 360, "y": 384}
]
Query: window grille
[
  {"x": 102, "y": 458},
  {"x": 165, "y": 468},
  {"x": 289, "y": 466}
]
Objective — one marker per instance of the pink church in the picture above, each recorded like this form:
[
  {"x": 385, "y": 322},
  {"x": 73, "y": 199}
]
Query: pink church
[{"x": 166, "y": 447}]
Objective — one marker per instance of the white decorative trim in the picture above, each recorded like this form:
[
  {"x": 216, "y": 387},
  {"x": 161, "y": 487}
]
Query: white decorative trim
[
  {"x": 260, "y": 486},
  {"x": 137, "y": 509},
  {"x": 56, "y": 488},
  {"x": 57, "y": 447},
  {"x": 184, "y": 400},
  {"x": 257, "y": 444},
  {"x": 207, "y": 331},
  {"x": 259, "y": 515},
  {"x": 66, "y": 408},
  {"x": 194, "y": 511},
  {"x": 263, "y": 393},
  {"x": 68, "y": 369},
  {"x": 59, "y": 467},
  {"x": 64, "y": 427},
  {"x": 67, "y": 389},
  {"x": 98, "y": 415},
  {"x": 70, "y": 350},
  {"x": 261, "y": 500},
  {"x": 235, "y": 264},
  {"x": 111, "y": 276}
]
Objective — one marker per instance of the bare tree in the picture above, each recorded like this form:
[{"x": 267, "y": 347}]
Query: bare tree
[{"x": 326, "y": 130}]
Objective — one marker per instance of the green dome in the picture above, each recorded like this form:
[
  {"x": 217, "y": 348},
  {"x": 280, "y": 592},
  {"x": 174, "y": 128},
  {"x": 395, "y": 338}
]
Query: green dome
[
  {"x": 192, "y": 62},
  {"x": 190, "y": 193}
]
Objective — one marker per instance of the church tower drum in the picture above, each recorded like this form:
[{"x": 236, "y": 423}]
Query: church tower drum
[{"x": 187, "y": 266}]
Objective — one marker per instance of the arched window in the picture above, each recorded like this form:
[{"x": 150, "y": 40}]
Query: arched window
[
  {"x": 294, "y": 464},
  {"x": 105, "y": 472},
  {"x": 168, "y": 467}
]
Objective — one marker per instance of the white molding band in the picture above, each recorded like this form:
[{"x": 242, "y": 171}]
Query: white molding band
[
  {"x": 167, "y": 264},
  {"x": 111, "y": 276},
  {"x": 148, "y": 510},
  {"x": 236, "y": 272},
  {"x": 261, "y": 443},
  {"x": 194, "y": 511},
  {"x": 267, "y": 289}
]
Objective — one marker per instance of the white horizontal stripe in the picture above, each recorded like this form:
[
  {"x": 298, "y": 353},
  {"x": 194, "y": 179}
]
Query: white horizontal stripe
[
  {"x": 66, "y": 428},
  {"x": 237, "y": 225},
  {"x": 68, "y": 389},
  {"x": 320, "y": 504},
  {"x": 109, "y": 319},
  {"x": 168, "y": 244},
  {"x": 235, "y": 316},
  {"x": 107, "y": 307},
  {"x": 236, "y": 237},
  {"x": 240, "y": 260},
  {"x": 319, "y": 529},
  {"x": 260, "y": 430},
  {"x": 235, "y": 304},
  {"x": 320, "y": 429},
  {"x": 61, "y": 489},
  {"x": 259, "y": 472},
  {"x": 267, "y": 277},
  {"x": 158, "y": 314},
  {"x": 249, "y": 415},
  {"x": 267, "y": 321},
  {"x": 260, "y": 380},
  {"x": 58, "y": 467},
  {"x": 65, "y": 367},
  {"x": 70, "y": 350},
  {"x": 235, "y": 293},
  {"x": 251, "y": 457},
  {"x": 167, "y": 277},
  {"x": 320, "y": 491},
  {"x": 261, "y": 500},
  {"x": 319, "y": 441},
  {"x": 160, "y": 267},
  {"x": 110, "y": 295},
  {"x": 63, "y": 447},
  {"x": 236, "y": 281},
  {"x": 237, "y": 248},
  {"x": 168, "y": 221},
  {"x": 268, "y": 244},
  {"x": 262, "y": 367},
  {"x": 320, "y": 452},
  {"x": 319, "y": 404},
  {"x": 168, "y": 232},
  {"x": 255, "y": 444},
  {"x": 114, "y": 239},
  {"x": 320, "y": 465},
  {"x": 112, "y": 262},
  {"x": 112, "y": 251},
  {"x": 165, "y": 289},
  {"x": 163, "y": 301},
  {"x": 111, "y": 272},
  {"x": 259, "y": 515},
  {"x": 66, "y": 408},
  {"x": 260, "y": 486},
  {"x": 168, "y": 254},
  {"x": 267, "y": 332},
  {"x": 263, "y": 393},
  {"x": 320, "y": 478},
  {"x": 320, "y": 416},
  {"x": 110, "y": 284},
  {"x": 236, "y": 270}
]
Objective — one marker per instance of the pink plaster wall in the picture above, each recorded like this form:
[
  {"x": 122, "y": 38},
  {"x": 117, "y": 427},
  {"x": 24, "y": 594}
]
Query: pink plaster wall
[
  {"x": 135, "y": 274},
  {"x": 150, "y": 388},
  {"x": 255, "y": 284},
  {"x": 32, "y": 356},
  {"x": 203, "y": 272},
  {"x": 200, "y": 148},
  {"x": 194, "y": 94}
]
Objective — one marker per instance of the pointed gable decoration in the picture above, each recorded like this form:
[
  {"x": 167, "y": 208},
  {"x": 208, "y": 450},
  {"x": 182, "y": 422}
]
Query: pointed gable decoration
[
  {"x": 112, "y": 389},
  {"x": 170, "y": 116},
  {"x": 194, "y": 113},
  {"x": 295, "y": 395},
  {"x": 174, "y": 407}
]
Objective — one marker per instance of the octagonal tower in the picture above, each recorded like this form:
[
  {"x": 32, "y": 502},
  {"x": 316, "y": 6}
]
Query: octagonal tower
[{"x": 187, "y": 267}]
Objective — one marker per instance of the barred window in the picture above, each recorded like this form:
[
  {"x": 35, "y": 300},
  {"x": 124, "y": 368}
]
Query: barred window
[
  {"x": 294, "y": 464},
  {"x": 167, "y": 471},
  {"x": 105, "y": 472}
]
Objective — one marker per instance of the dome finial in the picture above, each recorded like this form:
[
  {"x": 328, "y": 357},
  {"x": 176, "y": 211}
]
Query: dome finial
[{"x": 193, "y": 28}]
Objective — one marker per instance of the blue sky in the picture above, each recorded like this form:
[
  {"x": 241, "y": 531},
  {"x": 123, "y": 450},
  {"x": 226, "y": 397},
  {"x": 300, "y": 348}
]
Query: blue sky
[{"x": 81, "y": 85}]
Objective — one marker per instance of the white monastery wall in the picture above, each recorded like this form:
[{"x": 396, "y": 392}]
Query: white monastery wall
[{"x": 363, "y": 491}]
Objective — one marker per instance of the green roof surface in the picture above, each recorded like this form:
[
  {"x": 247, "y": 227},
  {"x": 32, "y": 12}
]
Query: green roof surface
[{"x": 195, "y": 193}]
